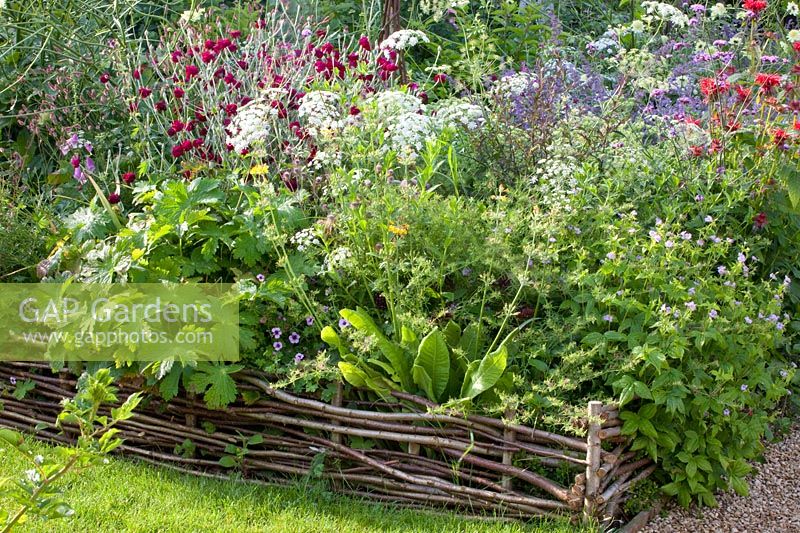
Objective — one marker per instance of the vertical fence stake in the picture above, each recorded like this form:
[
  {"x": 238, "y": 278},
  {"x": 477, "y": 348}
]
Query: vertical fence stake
[
  {"x": 592, "y": 461},
  {"x": 509, "y": 436},
  {"x": 337, "y": 402}
]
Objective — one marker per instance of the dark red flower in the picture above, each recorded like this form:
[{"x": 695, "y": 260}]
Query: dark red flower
[
  {"x": 137, "y": 74},
  {"x": 104, "y": 77},
  {"x": 176, "y": 56},
  {"x": 235, "y": 34},
  {"x": 696, "y": 151},
  {"x": 161, "y": 105},
  {"x": 113, "y": 198},
  {"x": 129, "y": 177},
  {"x": 760, "y": 220},
  {"x": 207, "y": 56},
  {"x": 178, "y": 92},
  {"x": 230, "y": 109},
  {"x": 364, "y": 43},
  {"x": 144, "y": 92},
  {"x": 191, "y": 71},
  {"x": 177, "y": 150},
  {"x": 354, "y": 111},
  {"x": 780, "y": 137},
  {"x": 75, "y": 161}
]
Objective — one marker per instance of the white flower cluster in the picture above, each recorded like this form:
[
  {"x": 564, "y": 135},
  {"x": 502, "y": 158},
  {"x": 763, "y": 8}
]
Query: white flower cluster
[
  {"x": 718, "y": 10},
  {"x": 437, "y": 8},
  {"x": 407, "y": 135},
  {"x": 404, "y": 39},
  {"x": 606, "y": 45},
  {"x": 337, "y": 259},
  {"x": 321, "y": 114},
  {"x": 666, "y": 13},
  {"x": 516, "y": 84},
  {"x": 459, "y": 113},
  {"x": 250, "y": 125},
  {"x": 305, "y": 239},
  {"x": 389, "y": 104}
]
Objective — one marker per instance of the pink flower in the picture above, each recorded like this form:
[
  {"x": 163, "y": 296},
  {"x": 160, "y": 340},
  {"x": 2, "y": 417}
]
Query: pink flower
[
  {"x": 129, "y": 177},
  {"x": 364, "y": 43},
  {"x": 113, "y": 198},
  {"x": 104, "y": 77},
  {"x": 191, "y": 71}
]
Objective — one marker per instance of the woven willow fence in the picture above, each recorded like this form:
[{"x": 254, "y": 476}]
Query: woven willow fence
[{"x": 408, "y": 453}]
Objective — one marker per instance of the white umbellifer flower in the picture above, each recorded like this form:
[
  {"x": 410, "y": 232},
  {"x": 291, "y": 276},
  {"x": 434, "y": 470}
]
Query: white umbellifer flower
[
  {"x": 393, "y": 103},
  {"x": 637, "y": 27},
  {"x": 339, "y": 258},
  {"x": 407, "y": 135},
  {"x": 38, "y": 459},
  {"x": 718, "y": 10},
  {"x": 404, "y": 39},
  {"x": 792, "y": 9},
  {"x": 667, "y": 13},
  {"x": 251, "y": 125},
  {"x": 437, "y": 8},
  {"x": 607, "y": 44},
  {"x": 515, "y": 84},
  {"x": 191, "y": 15},
  {"x": 460, "y": 113},
  {"x": 305, "y": 239},
  {"x": 321, "y": 113}
]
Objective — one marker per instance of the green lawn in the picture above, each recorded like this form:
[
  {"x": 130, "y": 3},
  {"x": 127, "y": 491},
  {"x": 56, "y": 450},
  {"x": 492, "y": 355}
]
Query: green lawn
[{"x": 127, "y": 495}]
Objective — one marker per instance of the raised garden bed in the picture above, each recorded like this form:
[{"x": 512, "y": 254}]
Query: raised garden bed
[{"x": 410, "y": 453}]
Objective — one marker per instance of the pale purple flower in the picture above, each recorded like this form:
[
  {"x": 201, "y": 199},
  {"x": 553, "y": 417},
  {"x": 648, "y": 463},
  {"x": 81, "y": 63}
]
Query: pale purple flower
[
  {"x": 699, "y": 198},
  {"x": 685, "y": 235},
  {"x": 691, "y": 306},
  {"x": 779, "y": 326},
  {"x": 743, "y": 388},
  {"x": 708, "y": 219},
  {"x": 260, "y": 278},
  {"x": 669, "y": 244},
  {"x": 608, "y": 318},
  {"x": 726, "y": 412},
  {"x": 611, "y": 256},
  {"x": 741, "y": 257},
  {"x": 715, "y": 239},
  {"x": 78, "y": 175},
  {"x": 13, "y": 380},
  {"x": 276, "y": 332},
  {"x": 298, "y": 357},
  {"x": 692, "y": 290},
  {"x": 713, "y": 314},
  {"x": 748, "y": 320},
  {"x": 466, "y": 271},
  {"x": 309, "y": 321},
  {"x": 88, "y": 146},
  {"x": 700, "y": 242},
  {"x": 698, "y": 8},
  {"x": 294, "y": 338},
  {"x": 343, "y": 323},
  {"x": 277, "y": 345},
  {"x": 722, "y": 270},
  {"x": 784, "y": 373},
  {"x": 90, "y": 166}
]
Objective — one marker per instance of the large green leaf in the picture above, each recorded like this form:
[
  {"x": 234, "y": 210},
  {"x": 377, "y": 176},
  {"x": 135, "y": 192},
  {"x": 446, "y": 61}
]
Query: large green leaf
[
  {"x": 432, "y": 364},
  {"x": 396, "y": 356},
  {"x": 484, "y": 374}
]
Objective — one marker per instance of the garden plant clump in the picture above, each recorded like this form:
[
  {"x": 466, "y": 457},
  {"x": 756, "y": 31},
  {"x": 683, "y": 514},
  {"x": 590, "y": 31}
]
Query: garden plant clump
[{"x": 502, "y": 208}]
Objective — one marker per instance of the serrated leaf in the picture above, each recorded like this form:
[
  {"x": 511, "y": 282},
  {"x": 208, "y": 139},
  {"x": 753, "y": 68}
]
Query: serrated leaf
[{"x": 215, "y": 382}]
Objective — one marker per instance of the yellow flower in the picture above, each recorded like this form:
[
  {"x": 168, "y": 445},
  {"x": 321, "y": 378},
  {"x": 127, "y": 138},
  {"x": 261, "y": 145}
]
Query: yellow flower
[
  {"x": 402, "y": 229},
  {"x": 259, "y": 170}
]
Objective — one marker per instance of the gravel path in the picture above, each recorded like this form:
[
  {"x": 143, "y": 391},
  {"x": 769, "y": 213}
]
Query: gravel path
[{"x": 772, "y": 507}]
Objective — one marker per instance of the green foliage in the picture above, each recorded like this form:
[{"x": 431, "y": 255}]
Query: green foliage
[{"x": 37, "y": 493}]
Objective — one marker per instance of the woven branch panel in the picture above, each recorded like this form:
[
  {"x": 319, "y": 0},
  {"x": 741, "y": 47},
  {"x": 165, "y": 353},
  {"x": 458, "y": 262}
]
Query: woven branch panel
[{"x": 408, "y": 453}]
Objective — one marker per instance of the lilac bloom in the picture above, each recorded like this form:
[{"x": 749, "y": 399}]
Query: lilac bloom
[
  {"x": 298, "y": 357},
  {"x": 343, "y": 323},
  {"x": 90, "y": 166},
  {"x": 309, "y": 321},
  {"x": 276, "y": 332},
  {"x": 691, "y": 306},
  {"x": 79, "y": 176},
  {"x": 277, "y": 345},
  {"x": 294, "y": 338}
]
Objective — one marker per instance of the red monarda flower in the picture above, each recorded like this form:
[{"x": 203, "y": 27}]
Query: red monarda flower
[
  {"x": 364, "y": 43},
  {"x": 696, "y": 151},
  {"x": 104, "y": 77},
  {"x": 144, "y": 92},
  {"x": 742, "y": 93},
  {"x": 756, "y": 6},
  {"x": 129, "y": 177},
  {"x": 767, "y": 82},
  {"x": 796, "y": 46},
  {"x": 712, "y": 88},
  {"x": 113, "y": 198},
  {"x": 780, "y": 137}
]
